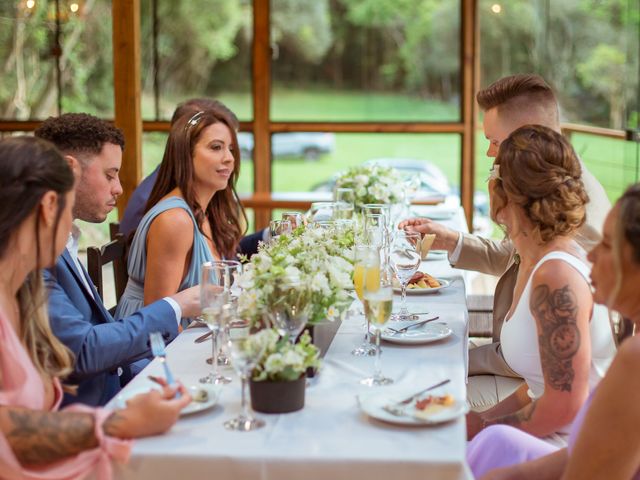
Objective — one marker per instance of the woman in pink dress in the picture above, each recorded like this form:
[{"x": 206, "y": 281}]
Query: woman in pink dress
[
  {"x": 36, "y": 440},
  {"x": 604, "y": 442}
]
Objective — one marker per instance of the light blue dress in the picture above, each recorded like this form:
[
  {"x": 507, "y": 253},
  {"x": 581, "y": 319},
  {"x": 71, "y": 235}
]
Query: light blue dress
[{"x": 132, "y": 299}]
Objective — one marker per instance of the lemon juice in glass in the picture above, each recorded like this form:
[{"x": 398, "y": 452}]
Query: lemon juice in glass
[
  {"x": 366, "y": 271},
  {"x": 378, "y": 303}
]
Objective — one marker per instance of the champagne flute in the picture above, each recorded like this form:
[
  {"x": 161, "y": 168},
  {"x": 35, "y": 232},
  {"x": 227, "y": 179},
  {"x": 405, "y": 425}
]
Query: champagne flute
[
  {"x": 366, "y": 271},
  {"x": 245, "y": 354},
  {"x": 226, "y": 274},
  {"x": 378, "y": 303},
  {"x": 405, "y": 260},
  {"x": 212, "y": 298},
  {"x": 345, "y": 203}
]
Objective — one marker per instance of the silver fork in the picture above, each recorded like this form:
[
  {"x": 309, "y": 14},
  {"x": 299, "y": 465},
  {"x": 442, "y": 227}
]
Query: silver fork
[
  {"x": 398, "y": 408},
  {"x": 417, "y": 324},
  {"x": 157, "y": 348}
]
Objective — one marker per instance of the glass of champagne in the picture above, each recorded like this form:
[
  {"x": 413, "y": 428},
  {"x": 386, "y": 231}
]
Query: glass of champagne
[
  {"x": 245, "y": 354},
  {"x": 345, "y": 203},
  {"x": 404, "y": 258},
  {"x": 378, "y": 303},
  {"x": 212, "y": 299},
  {"x": 226, "y": 274},
  {"x": 366, "y": 271}
]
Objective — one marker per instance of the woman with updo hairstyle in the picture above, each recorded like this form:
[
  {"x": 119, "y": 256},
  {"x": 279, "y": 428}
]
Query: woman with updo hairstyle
[
  {"x": 36, "y": 440},
  {"x": 604, "y": 442},
  {"x": 553, "y": 336}
]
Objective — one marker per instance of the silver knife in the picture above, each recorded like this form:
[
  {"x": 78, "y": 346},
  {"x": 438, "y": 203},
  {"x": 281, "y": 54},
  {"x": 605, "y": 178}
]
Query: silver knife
[
  {"x": 203, "y": 338},
  {"x": 397, "y": 408}
]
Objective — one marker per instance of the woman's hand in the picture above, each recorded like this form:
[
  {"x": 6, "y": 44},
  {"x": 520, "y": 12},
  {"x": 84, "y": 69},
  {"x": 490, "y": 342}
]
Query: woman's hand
[{"x": 147, "y": 414}]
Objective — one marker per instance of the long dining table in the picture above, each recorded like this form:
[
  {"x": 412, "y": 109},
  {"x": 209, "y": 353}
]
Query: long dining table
[{"x": 331, "y": 437}]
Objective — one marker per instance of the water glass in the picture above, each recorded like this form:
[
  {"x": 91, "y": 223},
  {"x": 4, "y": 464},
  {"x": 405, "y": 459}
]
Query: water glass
[
  {"x": 226, "y": 275},
  {"x": 322, "y": 211},
  {"x": 345, "y": 203},
  {"x": 245, "y": 354},
  {"x": 294, "y": 217},
  {"x": 378, "y": 303},
  {"x": 279, "y": 227},
  {"x": 405, "y": 258}
]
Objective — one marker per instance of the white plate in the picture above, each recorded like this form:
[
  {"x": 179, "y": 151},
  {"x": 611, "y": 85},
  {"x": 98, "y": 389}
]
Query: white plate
[
  {"x": 427, "y": 333},
  {"x": 372, "y": 404},
  {"x": 213, "y": 394},
  {"x": 425, "y": 291}
]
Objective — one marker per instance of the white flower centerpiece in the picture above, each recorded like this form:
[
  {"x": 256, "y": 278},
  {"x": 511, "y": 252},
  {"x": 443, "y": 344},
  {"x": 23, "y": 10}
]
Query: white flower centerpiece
[
  {"x": 373, "y": 184},
  {"x": 316, "y": 263}
]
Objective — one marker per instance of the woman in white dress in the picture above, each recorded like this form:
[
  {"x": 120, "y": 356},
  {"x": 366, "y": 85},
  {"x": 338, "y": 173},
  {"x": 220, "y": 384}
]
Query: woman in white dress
[{"x": 553, "y": 336}]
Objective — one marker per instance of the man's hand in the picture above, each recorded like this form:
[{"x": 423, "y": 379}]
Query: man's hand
[
  {"x": 446, "y": 238},
  {"x": 189, "y": 301}
]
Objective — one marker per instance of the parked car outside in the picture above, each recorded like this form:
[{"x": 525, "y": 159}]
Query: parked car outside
[{"x": 308, "y": 145}]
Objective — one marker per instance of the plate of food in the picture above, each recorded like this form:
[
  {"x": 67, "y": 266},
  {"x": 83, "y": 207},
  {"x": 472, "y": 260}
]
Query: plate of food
[
  {"x": 203, "y": 397},
  {"x": 427, "y": 410},
  {"x": 428, "y": 333},
  {"x": 421, "y": 283}
]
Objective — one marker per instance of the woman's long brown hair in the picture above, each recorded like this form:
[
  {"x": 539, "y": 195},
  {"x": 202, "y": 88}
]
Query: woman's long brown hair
[{"x": 224, "y": 212}]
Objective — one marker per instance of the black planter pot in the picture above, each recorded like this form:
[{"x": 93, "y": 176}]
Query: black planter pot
[{"x": 277, "y": 397}]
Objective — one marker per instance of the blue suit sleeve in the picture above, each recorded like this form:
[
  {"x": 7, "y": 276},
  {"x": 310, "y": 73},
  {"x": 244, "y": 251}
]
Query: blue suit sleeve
[{"x": 98, "y": 342}]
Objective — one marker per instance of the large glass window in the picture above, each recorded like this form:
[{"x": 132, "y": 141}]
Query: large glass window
[
  {"x": 37, "y": 40},
  {"x": 196, "y": 48},
  {"x": 364, "y": 60},
  {"x": 588, "y": 51}
]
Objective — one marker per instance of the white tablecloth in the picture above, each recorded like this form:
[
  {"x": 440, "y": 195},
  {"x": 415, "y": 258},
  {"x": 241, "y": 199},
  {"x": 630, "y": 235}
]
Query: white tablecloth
[{"x": 330, "y": 438}]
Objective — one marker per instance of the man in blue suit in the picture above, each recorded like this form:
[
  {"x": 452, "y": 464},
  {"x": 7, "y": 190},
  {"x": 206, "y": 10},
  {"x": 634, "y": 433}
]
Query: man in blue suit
[{"x": 103, "y": 348}]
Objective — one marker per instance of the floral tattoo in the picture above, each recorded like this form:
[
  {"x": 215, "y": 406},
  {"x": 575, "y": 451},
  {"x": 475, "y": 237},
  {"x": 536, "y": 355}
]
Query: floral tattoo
[{"x": 559, "y": 339}]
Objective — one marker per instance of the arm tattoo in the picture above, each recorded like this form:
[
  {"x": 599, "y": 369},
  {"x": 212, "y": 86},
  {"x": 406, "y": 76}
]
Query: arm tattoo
[
  {"x": 38, "y": 438},
  {"x": 559, "y": 338}
]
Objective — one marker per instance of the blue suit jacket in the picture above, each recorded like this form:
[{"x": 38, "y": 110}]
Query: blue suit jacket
[{"x": 100, "y": 343}]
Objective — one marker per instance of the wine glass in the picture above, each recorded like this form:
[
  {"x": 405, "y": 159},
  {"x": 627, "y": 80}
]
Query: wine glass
[
  {"x": 289, "y": 312},
  {"x": 279, "y": 227},
  {"x": 379, "y": 209},
  {"x": 322, "y": 211},
  {"x": 245, "y": 354},
  {"x": 212, "y": 299},
  {"x": 345, "y": 203},
  {"x": 294, "y": 217},
  {"x": 366, "y": 270},
  {"x": 378, "y": 303},
  {"x": 405, "y": 258}
]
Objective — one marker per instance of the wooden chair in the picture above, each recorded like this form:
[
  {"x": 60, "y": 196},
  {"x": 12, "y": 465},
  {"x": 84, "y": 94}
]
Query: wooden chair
[{"x": 113, "y": 252}]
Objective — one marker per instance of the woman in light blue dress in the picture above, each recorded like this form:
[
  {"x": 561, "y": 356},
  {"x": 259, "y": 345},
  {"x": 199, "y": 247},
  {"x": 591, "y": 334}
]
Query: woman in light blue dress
[{"x": 193, "y": 214}]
